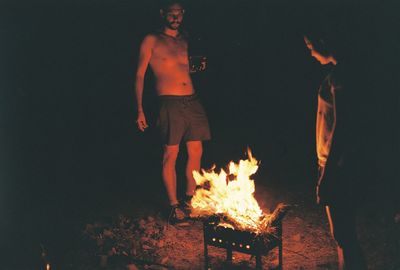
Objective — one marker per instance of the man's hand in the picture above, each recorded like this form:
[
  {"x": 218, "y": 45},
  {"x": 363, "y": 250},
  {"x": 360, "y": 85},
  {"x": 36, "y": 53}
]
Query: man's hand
[
  {"x": 197, "y": 64},
  {"x": 141, "y": 121}
]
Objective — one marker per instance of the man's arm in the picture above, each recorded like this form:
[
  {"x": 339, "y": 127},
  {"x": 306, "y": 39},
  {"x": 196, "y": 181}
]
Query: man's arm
[{"x": 144, "y": 57}]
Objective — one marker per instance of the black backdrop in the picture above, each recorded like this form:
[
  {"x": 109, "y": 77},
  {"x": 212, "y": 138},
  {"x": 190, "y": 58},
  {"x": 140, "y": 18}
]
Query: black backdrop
[{"x": 68, "y": 136}]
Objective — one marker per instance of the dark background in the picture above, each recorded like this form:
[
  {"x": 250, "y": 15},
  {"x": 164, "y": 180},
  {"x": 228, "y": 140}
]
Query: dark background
[{"x": 69, "y": 144}]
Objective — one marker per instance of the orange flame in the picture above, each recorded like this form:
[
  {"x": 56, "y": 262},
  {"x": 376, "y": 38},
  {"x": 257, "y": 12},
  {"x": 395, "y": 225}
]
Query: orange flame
[{"x": 231, "y": 198}]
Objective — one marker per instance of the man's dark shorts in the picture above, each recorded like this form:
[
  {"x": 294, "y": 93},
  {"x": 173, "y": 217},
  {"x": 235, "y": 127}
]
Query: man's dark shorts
[{"x": 182, "y": 119}]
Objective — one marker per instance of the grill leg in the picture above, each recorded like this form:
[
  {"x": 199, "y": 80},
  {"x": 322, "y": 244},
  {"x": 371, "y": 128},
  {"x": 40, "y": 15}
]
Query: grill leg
[
  {"x": 280, "y": 246},
  {"x": 258, "y": 262},
  {"x": 229, "y": 255},
  {"x": 206, "y": 259}
]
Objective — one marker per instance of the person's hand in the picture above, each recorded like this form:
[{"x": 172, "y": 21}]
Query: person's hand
[
  {"x": 141, "y": 121},
  {"x": 324, "y": 192},
  {"x": 397, "y": 218},
  {"x": 203, "y": 63},
  {"x": 321, "y": 171},
  {"x": 318, "y": 198},
  {"x": 197, "y": 64}
]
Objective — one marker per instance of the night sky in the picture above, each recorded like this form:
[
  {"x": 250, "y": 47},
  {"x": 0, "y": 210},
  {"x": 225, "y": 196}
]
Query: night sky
[{"x": 67, "y": 109}]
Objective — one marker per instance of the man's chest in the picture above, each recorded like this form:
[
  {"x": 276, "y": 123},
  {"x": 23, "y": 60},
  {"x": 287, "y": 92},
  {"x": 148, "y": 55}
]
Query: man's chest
[{"x": 171, "y": 50}]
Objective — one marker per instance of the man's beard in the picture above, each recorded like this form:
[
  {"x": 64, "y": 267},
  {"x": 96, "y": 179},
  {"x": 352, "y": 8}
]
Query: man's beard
[{"x": 173, "y": 26}]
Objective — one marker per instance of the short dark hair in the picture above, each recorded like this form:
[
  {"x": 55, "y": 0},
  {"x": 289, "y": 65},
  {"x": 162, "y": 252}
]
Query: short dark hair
[
  {"x": 320, "y": 44},
  {"x": 165, "y": 4},
  {"x": 333, "y": 43}
]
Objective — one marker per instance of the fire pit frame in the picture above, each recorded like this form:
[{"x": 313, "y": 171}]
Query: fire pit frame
[
  {"x": 245, "y": 241},
  {"x": 241, "y": 241}
]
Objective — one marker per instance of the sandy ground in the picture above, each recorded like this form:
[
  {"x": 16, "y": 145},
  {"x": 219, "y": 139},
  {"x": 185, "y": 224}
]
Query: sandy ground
[{"x": 307, "y": 243}]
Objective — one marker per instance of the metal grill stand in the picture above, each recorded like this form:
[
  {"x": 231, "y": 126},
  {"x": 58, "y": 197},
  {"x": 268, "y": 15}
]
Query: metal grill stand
[{"x": 244, "y": 241}]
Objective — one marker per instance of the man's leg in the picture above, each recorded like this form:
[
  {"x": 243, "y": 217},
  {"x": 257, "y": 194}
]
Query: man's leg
[
  {"x": 195, "y": 151},
  {"x": 169, "y": 172}
]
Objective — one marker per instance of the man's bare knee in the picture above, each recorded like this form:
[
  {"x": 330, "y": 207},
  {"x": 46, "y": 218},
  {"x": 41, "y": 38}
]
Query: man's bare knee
[
  {"x": 170, "y": 153},
  {"x": 194, "y": 149}
]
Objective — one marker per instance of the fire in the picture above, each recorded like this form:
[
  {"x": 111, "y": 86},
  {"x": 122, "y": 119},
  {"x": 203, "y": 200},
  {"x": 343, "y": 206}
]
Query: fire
[{"x": 231, "y": 194}]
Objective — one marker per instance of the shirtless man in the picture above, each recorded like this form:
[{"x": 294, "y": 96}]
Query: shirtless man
[{"x": 182, "y": 117}]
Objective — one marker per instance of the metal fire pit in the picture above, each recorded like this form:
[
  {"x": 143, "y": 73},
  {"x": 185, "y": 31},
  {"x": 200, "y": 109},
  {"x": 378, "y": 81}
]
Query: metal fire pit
[{"x": 244, "y": 241}]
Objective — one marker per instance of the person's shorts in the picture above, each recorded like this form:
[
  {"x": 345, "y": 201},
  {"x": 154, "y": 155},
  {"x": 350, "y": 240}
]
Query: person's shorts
[{"x": 182, "y": 119}]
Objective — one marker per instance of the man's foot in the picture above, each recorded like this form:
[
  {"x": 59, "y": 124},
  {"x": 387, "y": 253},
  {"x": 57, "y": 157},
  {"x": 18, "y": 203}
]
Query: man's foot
[
  {"x": 186, "y": 205},
  {"x": 177, "y": 215}
]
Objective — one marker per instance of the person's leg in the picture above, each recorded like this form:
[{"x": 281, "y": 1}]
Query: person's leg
[
  {"x": 339, "y": 250},
  {"x": 198, "y": 131},
  {"x": 344, "y": 230},
  {"x": 169, "y": 172},
  {"x": 195, "y": 151},
  {"x": 176, "y": 215}
]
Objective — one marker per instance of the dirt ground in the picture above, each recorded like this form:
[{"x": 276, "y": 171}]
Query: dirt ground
[{"x": 307, "y": 243}]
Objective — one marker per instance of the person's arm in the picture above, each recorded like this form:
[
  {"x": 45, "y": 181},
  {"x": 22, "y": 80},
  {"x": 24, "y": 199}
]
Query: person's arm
[
  {"x": 143, "y": 62},
  {"x": 339, "y": 145},
  {"x": 327, "y": 175},
  {"x": 341, "y": 140}
]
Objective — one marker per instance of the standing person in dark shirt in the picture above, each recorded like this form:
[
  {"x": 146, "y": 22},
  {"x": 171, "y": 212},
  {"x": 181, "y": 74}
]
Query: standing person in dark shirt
[{"x": 337, "y": 156}]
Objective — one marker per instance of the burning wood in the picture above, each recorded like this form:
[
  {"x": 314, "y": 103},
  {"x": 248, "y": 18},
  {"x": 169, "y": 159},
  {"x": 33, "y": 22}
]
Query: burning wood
[
  {"x": 220, "y": 234},
  {"x": 230, "y": 195}
]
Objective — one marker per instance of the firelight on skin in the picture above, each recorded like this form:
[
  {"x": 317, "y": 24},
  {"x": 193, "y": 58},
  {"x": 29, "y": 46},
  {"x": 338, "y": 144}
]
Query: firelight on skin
[
  {"x": 330, "y": 147},
  {"x": 166, "y": 52},
  {"x": 173, "y": 17}
]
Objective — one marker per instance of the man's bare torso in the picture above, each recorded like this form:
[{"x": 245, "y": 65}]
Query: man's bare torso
[{"x": 170, "y": 64}]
